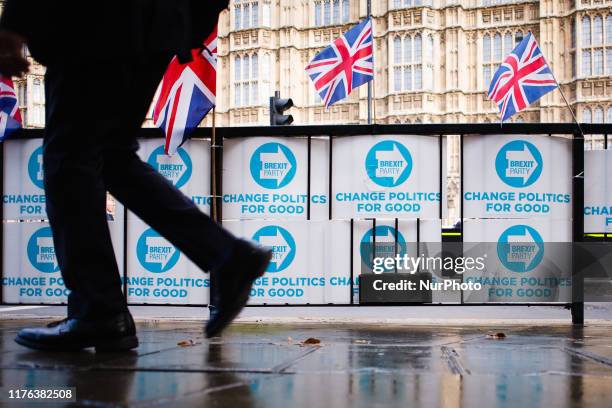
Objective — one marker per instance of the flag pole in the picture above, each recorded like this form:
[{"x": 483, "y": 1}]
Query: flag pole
[
  {"x": 569, "y": 107},
  {"x": 373, "y": 96},
  {"x": 369, "y": 10},
  {"x": 560, "y": 89},
  {"x": 213, "y": 168}
]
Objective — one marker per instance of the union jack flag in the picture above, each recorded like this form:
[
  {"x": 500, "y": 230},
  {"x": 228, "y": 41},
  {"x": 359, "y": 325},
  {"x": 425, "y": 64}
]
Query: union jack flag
[
  {"x": 187, "y": 94},
  {"x": 344, "y": 65},
  {"x": 10, "y": 117},
  {"x": 523, "y": 78}
]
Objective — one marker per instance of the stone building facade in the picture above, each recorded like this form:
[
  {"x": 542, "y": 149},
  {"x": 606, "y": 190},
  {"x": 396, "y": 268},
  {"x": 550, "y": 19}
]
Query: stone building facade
[{"x": 433, "y": 60}]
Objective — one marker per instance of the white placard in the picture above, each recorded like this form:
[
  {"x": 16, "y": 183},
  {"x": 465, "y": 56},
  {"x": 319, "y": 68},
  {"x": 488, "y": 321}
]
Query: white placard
[
  {"x": 311, "y": 260},
  {"x": 517, "y": 176},
  {"x": 24, "y": 195},
  {"x": 401, "y": 241},
  {"x": 31, "y": 272},
  {"x": 445, "y": 160},
  {"x": 386, "y": 176},
  {"x": 525, "y": 260},
  {"x": 158, "y": 273},
  {"x": 598, "y": 191},
  {"x": 188, "y": 169},
  {"x": 370, "y": 241},
  {"x": 319, "y": 178},
  {"x": 267, "y": 178}
]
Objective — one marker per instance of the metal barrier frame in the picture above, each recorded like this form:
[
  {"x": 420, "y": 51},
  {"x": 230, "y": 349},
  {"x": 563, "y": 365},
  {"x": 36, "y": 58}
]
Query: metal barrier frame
[{"x": 219, "y": 134}]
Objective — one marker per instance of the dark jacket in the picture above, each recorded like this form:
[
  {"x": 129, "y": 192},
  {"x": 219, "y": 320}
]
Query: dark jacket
[{"x": 109, "y": 29}]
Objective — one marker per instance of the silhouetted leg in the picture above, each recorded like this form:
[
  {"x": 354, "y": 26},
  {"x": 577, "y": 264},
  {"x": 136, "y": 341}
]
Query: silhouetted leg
[
  {"x": 76, "y": 196},
  {"x": 147, "y": 193},
  {"x": 168, "y": 211}
]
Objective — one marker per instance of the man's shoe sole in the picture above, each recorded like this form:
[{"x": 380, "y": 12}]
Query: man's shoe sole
[
  {"x": 48, "y": 347},
  {"x": 216, "y": 326},
  {"x": 122, "y": 344}
]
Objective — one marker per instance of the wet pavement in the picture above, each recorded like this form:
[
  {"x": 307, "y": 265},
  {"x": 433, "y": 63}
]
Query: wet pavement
[{"x": 265, "y": 365}]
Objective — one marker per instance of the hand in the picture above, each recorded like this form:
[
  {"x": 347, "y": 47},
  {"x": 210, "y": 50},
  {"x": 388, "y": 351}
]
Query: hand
[{"x": 12, "y": 61}]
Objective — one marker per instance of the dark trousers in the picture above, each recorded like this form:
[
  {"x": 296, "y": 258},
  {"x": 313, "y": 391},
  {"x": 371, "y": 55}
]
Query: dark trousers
[{"x": 94, "y": 112}]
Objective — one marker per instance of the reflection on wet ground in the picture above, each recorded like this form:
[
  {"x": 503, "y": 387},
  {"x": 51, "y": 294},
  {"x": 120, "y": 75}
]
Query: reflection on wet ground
[{"x": 369, "y": 366}]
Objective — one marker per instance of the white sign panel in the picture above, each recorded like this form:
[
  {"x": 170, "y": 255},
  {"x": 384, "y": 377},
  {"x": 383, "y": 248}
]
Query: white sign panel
[
  {"x": 188, "y": 169},
  {"x": 31, "y": 273},
  {"x": 24, "y": 196},
  {"x": 267, "y": 178},
  {"x": 310, "y": 262},
  {"x": 386, "y": 176},
  {"x": 158, "y": 273},
  {"x": 516, "y": 176},
  {"x": 525, "y": 260},
  {"x": 598, "y": 191},
  {"x": 319, "y": 178},
  {"x": 445, "y": 161},
  {"x": 412, "y": 238}
]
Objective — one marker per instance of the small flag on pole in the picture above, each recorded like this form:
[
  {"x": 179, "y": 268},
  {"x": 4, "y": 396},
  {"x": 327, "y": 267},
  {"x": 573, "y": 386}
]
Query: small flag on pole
[
  {"x": 187, "y": 94},
  {"x": 523, "y": 78},
  {"x": 10, "y": 117},
  {"x": 344, "y": 65}
]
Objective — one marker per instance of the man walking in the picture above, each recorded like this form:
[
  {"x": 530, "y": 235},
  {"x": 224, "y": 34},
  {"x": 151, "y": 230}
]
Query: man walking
[{"x": 104, "y": 62}]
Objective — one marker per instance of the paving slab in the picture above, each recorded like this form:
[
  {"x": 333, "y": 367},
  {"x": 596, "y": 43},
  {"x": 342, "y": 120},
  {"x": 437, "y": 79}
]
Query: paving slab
[{"x": 352, "y": 365}]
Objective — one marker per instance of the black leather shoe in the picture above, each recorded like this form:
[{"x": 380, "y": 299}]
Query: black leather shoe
[
  {"x": 116, "y": 334},
  {"x": 233, "y": 282},
  {"x": 212, "y": 311}
]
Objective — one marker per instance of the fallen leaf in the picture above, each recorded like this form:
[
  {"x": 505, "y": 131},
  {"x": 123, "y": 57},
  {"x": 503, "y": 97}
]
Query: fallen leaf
[
  {"x": 311, "y": 341},
  {"x": 187, "y": 343},
  {"x": 496, "y": 336}
]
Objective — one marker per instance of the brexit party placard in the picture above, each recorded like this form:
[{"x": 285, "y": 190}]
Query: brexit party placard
[
  {"x": 32, "y": 273},
  {"x": 310, "y": 261},
  {"x": 399, "y": 239},
  {"x": 525, "y": 260},
  {"x": 158, "y": 273},
  {"x": 382, "y": 240},
  {"x": 267, "y": 178},
  {"x": 24, "y": 195},
  {"x": 517, "y": 176},
  {"x": 319, "y": 178},
  {"x": 188, "y": 169},
  {"x": 598, "y": 191},
  {"x": 386, "y": 176}
]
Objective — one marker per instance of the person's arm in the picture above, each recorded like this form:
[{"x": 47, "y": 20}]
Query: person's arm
[{"x": 12, "y": 38}]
